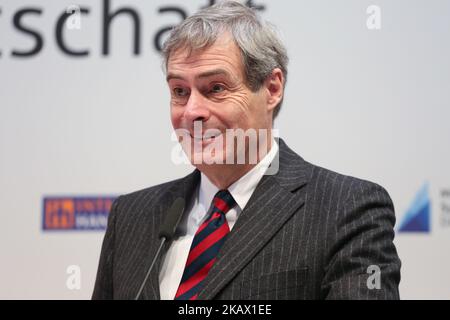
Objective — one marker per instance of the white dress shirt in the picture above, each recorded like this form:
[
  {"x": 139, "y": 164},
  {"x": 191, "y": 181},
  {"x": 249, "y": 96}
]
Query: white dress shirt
[{"x": 175, "y": 259}]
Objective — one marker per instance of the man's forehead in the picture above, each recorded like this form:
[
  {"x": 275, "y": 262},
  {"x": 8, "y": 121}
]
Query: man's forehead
[
  {"x": 222, "y": 54},
  {"x": 204, "y": 65},
  {"x": 188, "y": 49}
]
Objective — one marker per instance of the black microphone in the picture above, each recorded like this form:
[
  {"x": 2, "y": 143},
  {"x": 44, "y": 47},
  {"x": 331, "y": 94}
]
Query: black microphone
[{"x": 166, "y": 233}]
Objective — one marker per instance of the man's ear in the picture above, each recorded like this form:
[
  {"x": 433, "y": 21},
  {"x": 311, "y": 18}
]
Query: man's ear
[{"x": 274, "y": 86}]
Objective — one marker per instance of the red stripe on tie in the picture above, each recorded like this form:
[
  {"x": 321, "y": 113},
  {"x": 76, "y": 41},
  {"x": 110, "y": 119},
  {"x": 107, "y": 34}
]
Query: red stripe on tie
[
  {"x": 194, "y": 280},
  {"x": 206, "y": 243},
  {"x": 204, "y": 224},
  {"x": 221, "y": 205},
  {"x": 197, "y": 264}
]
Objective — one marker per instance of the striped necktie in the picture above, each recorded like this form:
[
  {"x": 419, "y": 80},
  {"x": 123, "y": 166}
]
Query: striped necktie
[{"x": 205, "y": 247}]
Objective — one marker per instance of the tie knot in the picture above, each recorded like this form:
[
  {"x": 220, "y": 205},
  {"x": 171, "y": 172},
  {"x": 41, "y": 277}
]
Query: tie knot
[{"x": 223, "y": 200}]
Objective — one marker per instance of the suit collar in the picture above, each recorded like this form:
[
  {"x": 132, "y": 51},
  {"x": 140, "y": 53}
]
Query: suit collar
[
  {"x": 293, "y": 172},
  {"x": 276, "y": 198}
]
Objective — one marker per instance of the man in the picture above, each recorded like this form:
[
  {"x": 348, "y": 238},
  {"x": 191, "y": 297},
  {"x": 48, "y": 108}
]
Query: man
[{"x": 247, "y": 231}]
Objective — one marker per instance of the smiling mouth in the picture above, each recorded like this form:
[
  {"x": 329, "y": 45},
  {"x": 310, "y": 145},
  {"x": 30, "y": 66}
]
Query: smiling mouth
[{"x": 206, "y": 138}]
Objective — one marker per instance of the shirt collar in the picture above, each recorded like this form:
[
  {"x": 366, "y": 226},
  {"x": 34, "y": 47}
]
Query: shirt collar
[{"x": 242, "y": 189}]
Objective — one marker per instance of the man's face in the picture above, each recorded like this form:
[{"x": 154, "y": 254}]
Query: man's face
[{"x": 209, "y": 87}]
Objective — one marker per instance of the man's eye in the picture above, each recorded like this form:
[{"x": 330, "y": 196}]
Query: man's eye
[
  {"x": 217, "y": 88},
  {"x": 180, "y": 92}
]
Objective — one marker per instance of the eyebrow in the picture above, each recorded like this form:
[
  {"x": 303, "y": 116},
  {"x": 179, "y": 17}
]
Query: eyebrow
[{"x": 206, "y": 74}]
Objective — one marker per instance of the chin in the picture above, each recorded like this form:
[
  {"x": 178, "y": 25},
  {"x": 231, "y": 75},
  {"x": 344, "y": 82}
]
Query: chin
[{"x": 203, "y": 158}]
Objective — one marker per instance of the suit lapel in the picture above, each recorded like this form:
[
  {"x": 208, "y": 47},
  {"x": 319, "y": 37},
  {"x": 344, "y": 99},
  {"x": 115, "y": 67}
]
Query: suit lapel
[
  {"x": 182, "y": 188},
  {"x": 273, "y": 202}
]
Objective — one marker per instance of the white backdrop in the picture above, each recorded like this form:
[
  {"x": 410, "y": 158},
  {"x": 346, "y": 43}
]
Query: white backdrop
[{"x": 98, "y": 125}]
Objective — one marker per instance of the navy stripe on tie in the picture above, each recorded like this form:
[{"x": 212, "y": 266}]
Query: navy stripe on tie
[
  {"x": 212, "y": 226},
  {"x": 192, "y": 292},
  {"x": 203, "y": 259}
]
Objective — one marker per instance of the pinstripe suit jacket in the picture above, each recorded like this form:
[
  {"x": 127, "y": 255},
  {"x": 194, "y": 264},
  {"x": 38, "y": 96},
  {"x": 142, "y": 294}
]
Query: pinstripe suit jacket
[{"x": 306, "y": 233}]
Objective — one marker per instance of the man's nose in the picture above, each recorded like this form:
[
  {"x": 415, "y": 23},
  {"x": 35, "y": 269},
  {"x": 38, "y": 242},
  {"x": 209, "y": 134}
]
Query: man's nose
[{"x": 196, "y": 108}]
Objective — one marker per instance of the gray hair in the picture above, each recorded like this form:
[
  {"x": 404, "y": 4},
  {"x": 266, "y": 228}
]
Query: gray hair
[{"x": 261, "y": 49}]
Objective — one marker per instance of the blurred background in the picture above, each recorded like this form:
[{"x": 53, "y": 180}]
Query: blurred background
[{"x": 84, "y": 117}]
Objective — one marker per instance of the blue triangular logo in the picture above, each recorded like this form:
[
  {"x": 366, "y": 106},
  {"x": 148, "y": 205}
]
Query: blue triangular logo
[{"x": 417, "y": 218}]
